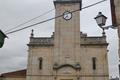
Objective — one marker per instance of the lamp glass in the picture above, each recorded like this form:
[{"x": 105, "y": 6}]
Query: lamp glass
[
  {"x": 104, "y": 21},
  {"x": 99, "y": 21}
]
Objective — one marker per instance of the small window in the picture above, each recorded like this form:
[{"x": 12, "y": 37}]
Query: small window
[
  {"x": 40, "y": 62},
  {"x": 119, "y": 68},
  {"x": 94, "y": 63}
]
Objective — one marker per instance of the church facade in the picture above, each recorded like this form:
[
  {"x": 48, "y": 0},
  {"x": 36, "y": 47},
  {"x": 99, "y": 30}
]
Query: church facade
[{"x": 68, "y": 54}]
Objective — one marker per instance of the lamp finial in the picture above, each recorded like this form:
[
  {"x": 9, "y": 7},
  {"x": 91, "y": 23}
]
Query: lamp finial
[{"x": 32, "y": 33}]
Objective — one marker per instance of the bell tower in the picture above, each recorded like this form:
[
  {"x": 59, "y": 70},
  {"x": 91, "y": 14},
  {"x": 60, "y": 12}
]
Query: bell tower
[{"x": 67, "y": 32}]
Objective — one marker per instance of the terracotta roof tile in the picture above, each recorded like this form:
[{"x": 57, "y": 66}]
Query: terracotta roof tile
[{"x": 15, "y": 74}]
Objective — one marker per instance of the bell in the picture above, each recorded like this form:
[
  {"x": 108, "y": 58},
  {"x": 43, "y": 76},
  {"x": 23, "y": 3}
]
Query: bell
[{"x": 2, "y": 38}]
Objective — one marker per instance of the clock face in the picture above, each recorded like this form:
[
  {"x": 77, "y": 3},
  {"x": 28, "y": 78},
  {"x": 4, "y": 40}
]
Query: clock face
[{"x": 67, "y": 15}]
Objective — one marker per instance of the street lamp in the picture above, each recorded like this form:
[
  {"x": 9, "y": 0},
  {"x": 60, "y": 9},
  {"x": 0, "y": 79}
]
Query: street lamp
[{"x": 101, "y": 20}]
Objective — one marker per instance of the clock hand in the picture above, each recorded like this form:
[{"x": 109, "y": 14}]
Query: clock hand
[{"x": 66, "y": 16}]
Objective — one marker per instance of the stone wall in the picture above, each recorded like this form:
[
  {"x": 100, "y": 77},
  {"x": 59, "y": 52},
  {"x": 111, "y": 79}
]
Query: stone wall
[
  {"x": 115, "y": 9},
  {"x": 90, "y": 47}
]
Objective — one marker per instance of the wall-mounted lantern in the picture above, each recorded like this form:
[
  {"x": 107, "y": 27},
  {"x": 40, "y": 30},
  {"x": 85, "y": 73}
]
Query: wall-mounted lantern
[{"x": 101, "y": 20}]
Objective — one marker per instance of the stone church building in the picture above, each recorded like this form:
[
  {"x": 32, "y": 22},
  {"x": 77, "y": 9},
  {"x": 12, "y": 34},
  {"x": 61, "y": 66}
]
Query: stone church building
[{"x": 68, "y": 54}]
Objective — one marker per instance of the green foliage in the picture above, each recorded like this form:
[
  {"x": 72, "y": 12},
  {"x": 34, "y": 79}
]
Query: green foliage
[{"x": 2, "y": 38}]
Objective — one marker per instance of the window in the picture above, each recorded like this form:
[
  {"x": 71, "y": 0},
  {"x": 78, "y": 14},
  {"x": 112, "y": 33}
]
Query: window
[
  {"x": 40, "y": 62},
  {"x": 94, "y": 63}
]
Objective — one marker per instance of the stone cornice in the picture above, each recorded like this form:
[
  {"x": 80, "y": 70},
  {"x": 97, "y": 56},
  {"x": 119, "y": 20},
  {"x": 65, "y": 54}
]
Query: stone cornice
[
  {"x": 67, "y": 1},
  {"x": 88, "y": 44},
  {"x": 87, "y": 75},
  {"x": 85, "y": 41}
]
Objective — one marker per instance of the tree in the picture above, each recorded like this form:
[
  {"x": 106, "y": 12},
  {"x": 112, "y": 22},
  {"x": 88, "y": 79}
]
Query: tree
[{"x": 2, "y": 38}]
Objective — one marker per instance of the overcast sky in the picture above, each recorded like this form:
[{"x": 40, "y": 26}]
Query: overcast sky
[{"x": 13, "y": 55}]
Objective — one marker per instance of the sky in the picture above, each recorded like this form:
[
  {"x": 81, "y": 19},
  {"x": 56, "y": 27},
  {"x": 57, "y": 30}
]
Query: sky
[{"x": 13, "y": 55}]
